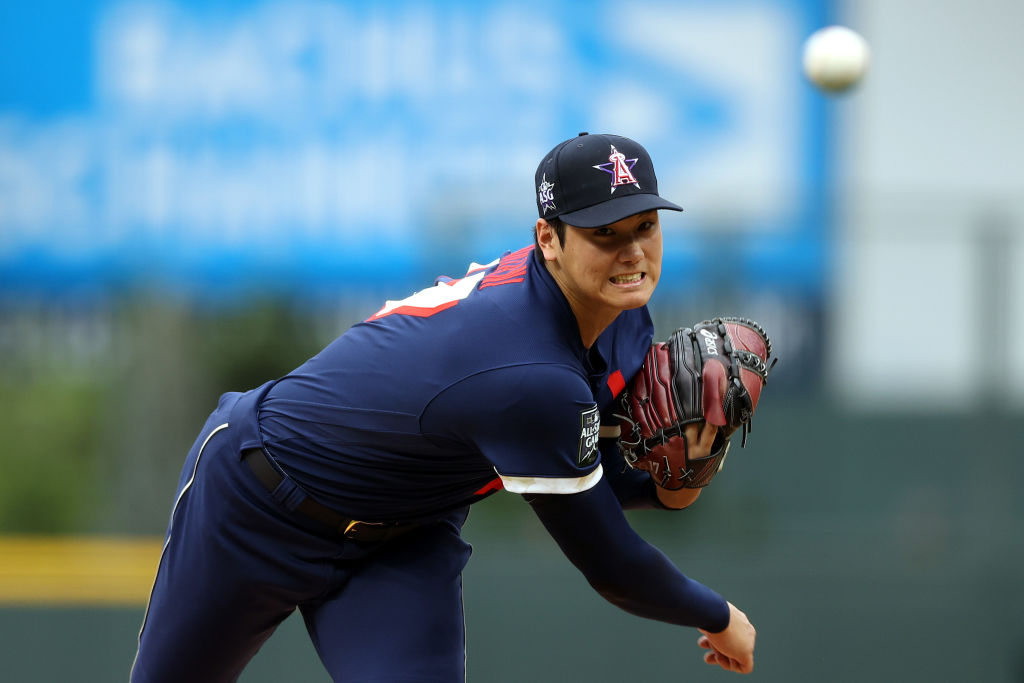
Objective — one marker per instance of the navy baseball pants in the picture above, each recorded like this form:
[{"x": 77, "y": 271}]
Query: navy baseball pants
[{"x": 237, "y": 561}]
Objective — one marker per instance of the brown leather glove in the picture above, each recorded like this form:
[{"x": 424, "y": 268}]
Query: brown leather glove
[{"x": 712, "y": 372}]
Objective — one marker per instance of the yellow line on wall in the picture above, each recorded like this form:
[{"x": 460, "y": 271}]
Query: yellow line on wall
[{"x": 77, "y": 570}]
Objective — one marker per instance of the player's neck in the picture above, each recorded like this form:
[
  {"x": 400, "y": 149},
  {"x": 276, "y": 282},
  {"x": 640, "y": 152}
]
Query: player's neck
[{"x": 591, "y": 323}]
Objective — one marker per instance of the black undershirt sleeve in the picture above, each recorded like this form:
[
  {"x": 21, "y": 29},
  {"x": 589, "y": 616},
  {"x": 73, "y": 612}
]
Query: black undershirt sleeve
[{"x": 633, "y": 575}]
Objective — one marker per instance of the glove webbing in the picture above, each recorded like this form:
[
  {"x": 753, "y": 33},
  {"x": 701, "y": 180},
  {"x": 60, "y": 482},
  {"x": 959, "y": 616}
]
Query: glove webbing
[{"x": 746, "y": 322}]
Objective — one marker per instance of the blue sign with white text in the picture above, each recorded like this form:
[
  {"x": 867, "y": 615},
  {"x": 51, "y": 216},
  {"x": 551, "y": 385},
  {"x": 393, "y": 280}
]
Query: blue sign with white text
[{"x": 310, "y": 146}]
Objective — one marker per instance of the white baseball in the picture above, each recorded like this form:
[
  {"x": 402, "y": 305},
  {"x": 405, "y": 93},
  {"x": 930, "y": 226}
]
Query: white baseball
[{"x": 836, "y": 58}]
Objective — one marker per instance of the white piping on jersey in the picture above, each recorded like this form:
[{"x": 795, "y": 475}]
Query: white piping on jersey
[
  {"x": 435, "y": 296},
  {"x": 174, "y": 509},
  {"x": 609, "y": 432},
  {"x": 552, "y": 484},
  {"x": 473, "y": 266}
]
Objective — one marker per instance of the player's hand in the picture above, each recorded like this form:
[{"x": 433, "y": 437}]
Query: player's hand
[
  {"x": 699, "y": 438},
  {"x": 733, "y": 648}
]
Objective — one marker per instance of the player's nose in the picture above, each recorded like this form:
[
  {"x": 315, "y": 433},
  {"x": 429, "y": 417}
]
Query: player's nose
[{"x": 631, "y": 252}]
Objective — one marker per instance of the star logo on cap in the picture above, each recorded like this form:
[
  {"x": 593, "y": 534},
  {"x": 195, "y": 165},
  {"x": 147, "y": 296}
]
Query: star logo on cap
[
  {"x": 620, "y": 168},
  {"x": 545, "y": 194}
]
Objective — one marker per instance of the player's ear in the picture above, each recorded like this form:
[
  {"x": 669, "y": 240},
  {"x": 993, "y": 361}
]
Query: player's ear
[{"x": 547, "y": 240}]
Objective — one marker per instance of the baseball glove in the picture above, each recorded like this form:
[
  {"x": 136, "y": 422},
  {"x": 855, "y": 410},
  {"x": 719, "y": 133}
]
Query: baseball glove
[{"x": 712, "y": 372}]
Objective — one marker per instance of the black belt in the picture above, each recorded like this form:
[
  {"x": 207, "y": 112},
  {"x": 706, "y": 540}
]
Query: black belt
[{"x": 352, "y": 529}]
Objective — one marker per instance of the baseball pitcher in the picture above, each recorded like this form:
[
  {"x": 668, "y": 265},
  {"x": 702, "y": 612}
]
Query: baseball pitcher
[{"x": 340, "y": 489}]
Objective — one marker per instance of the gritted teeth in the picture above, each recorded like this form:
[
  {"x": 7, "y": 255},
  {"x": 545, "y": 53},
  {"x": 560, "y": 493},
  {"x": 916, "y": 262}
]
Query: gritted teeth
[{"x": 627, "y": 279}]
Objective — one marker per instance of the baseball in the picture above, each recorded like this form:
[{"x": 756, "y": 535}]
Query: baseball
[{"x": 835, "y": 58}]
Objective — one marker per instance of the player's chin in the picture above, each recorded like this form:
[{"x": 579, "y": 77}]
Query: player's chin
[{"x": 633, "y": 294}]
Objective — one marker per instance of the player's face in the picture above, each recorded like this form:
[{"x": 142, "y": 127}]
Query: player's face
[{"x": 606, "y": 270}]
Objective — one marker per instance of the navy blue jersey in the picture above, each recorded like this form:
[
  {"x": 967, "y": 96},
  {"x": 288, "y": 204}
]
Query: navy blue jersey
[{"x": 461, "y": 389}]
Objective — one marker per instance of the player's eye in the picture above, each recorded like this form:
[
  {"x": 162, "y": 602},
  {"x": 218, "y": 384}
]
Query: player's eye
[
  {"x": 645, "y": 226},
  {"x": 603, "y": 232}
]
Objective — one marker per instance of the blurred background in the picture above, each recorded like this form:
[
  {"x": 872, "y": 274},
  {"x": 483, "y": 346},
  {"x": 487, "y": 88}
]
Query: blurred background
[{"x": 197, "y": 196}]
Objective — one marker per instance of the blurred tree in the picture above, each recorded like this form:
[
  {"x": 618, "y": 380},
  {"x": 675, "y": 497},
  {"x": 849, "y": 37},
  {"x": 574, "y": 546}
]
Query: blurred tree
[{"x": 50, "y": 454}]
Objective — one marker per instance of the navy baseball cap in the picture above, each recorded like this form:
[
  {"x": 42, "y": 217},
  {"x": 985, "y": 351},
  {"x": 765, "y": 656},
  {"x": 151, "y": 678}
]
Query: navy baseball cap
[{"x": 593, "y": 180}]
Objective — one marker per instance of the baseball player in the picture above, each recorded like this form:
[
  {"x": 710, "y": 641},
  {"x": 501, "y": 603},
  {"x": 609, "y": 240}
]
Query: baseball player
[{"x": 341, "y": 488}]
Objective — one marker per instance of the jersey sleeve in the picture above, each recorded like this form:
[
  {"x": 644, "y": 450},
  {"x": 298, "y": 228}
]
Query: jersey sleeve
[{"x": 536, "y": 424}]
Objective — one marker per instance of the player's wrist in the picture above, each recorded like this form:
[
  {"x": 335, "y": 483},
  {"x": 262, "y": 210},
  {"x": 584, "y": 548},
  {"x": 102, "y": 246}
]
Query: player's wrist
[
  {"x": 713, "y": 612},
  {"x": 677, "y": 499},
  {"x": 719, "y": 616}
]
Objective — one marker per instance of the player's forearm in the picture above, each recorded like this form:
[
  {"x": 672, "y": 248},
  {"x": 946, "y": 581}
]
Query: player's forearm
[
  {"x": 591, "y": 530},
  {"x": 655, "y": 589},
  {"x": 636, "y": 490}
]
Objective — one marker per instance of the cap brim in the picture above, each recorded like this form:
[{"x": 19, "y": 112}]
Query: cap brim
[{"x": 615, "y": 209}]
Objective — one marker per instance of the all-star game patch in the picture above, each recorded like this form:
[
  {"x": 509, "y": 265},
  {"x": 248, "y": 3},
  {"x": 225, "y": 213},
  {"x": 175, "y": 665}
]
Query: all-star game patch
[{"x": 590, "y": 428}]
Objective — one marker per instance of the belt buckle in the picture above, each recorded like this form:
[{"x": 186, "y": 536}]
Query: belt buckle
[{"x": 357, "y": 530}]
